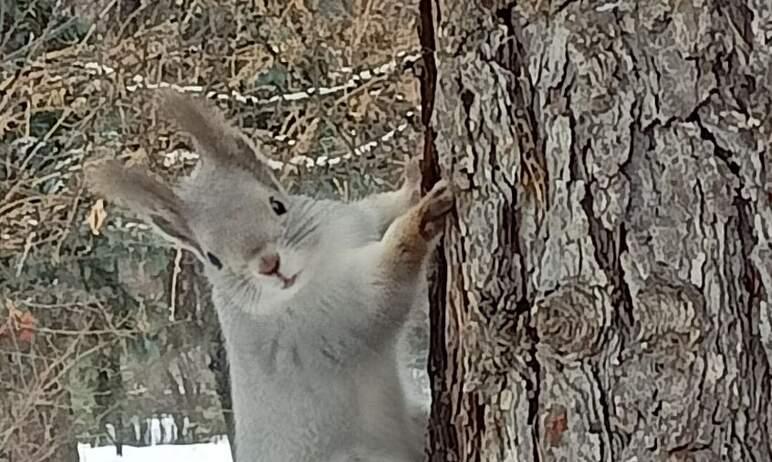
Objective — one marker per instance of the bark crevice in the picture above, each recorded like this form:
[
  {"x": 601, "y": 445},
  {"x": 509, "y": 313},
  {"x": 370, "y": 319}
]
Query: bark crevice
[{"x": 630, "y": 290}]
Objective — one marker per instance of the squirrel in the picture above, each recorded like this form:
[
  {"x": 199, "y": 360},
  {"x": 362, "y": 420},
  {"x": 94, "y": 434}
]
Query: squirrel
[{"x": 310, "y": 294}]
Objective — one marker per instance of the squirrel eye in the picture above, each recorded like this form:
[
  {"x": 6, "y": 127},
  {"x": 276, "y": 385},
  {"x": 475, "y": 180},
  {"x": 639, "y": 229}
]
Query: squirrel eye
[
  {"x": 214, "y": 260},
  {"x": 277, "y": 206}
]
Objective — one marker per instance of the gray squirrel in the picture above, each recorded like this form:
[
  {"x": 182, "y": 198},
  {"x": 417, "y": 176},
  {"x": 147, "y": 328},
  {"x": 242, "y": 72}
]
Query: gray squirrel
[{"x": 310, "y": 294}]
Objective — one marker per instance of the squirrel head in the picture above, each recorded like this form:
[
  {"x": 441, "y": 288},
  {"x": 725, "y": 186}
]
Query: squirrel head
[{"x": 232, "y": 212}]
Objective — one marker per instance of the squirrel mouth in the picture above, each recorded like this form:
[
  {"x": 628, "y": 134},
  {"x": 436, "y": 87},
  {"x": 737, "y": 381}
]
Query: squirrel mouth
[{"x": 287, "y": 282}]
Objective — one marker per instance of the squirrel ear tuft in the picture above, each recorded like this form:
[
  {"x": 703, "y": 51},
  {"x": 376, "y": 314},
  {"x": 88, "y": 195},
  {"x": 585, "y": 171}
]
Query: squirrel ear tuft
[
  {"x": 152, "y": 200},
  {"x": 215, "y": 138}
]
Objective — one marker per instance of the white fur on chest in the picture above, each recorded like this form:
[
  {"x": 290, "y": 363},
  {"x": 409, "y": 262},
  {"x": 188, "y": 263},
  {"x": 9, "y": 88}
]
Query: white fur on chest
[{"x": 299, "y": 392}]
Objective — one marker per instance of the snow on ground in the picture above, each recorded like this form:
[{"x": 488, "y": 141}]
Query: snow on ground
[
  {"x": 160, "y": 430},
  {"x": 218, "y": 451}
]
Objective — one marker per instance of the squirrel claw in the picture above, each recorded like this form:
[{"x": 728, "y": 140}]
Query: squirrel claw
[{"x": 412, "y": 179}]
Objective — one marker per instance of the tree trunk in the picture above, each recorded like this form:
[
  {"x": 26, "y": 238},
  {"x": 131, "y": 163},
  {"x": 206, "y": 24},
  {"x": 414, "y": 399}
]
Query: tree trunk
[{"x": 603, "y": 292}]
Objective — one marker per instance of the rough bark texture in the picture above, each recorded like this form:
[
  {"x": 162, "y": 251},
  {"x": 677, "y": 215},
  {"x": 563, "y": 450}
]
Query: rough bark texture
[{"x": 604, "y": 294}]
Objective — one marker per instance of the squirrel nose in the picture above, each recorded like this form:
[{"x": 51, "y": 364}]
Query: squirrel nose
[{"x": 269, "y": 264}]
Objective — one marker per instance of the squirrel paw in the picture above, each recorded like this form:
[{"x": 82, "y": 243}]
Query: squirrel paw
[{"x": 436, "y": 204}]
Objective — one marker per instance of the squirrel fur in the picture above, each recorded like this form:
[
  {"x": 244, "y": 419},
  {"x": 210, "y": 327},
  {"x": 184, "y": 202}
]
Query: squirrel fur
[{"x": 311, "y": 294}]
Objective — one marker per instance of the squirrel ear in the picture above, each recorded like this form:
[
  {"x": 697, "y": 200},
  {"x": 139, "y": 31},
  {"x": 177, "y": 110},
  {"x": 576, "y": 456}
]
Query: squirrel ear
[
  {"x": 215, "y": 138},
  {"x": 155, "y": 202}
]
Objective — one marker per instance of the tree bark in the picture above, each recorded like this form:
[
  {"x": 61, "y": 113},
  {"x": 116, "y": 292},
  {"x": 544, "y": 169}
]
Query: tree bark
[{"x": 603, "y": 293}]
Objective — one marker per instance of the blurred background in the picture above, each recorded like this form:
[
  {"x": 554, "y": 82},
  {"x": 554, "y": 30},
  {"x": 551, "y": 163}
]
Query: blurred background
[{"x": 107, "y": 336}]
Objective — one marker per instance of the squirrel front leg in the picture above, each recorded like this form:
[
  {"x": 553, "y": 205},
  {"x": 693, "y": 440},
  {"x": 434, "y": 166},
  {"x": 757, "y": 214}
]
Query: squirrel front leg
[
  {"x": 392, "y": 268},
  {"x": 385, "y": 207},
  {"x": 413, "y": 235}
]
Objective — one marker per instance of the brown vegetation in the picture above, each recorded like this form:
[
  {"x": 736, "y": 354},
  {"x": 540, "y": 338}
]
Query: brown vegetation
[{"x": 94, "y": 331}]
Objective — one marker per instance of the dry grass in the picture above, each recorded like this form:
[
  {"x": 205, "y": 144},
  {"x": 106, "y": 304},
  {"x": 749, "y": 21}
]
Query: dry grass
[{"x": 323, "y": 83}]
